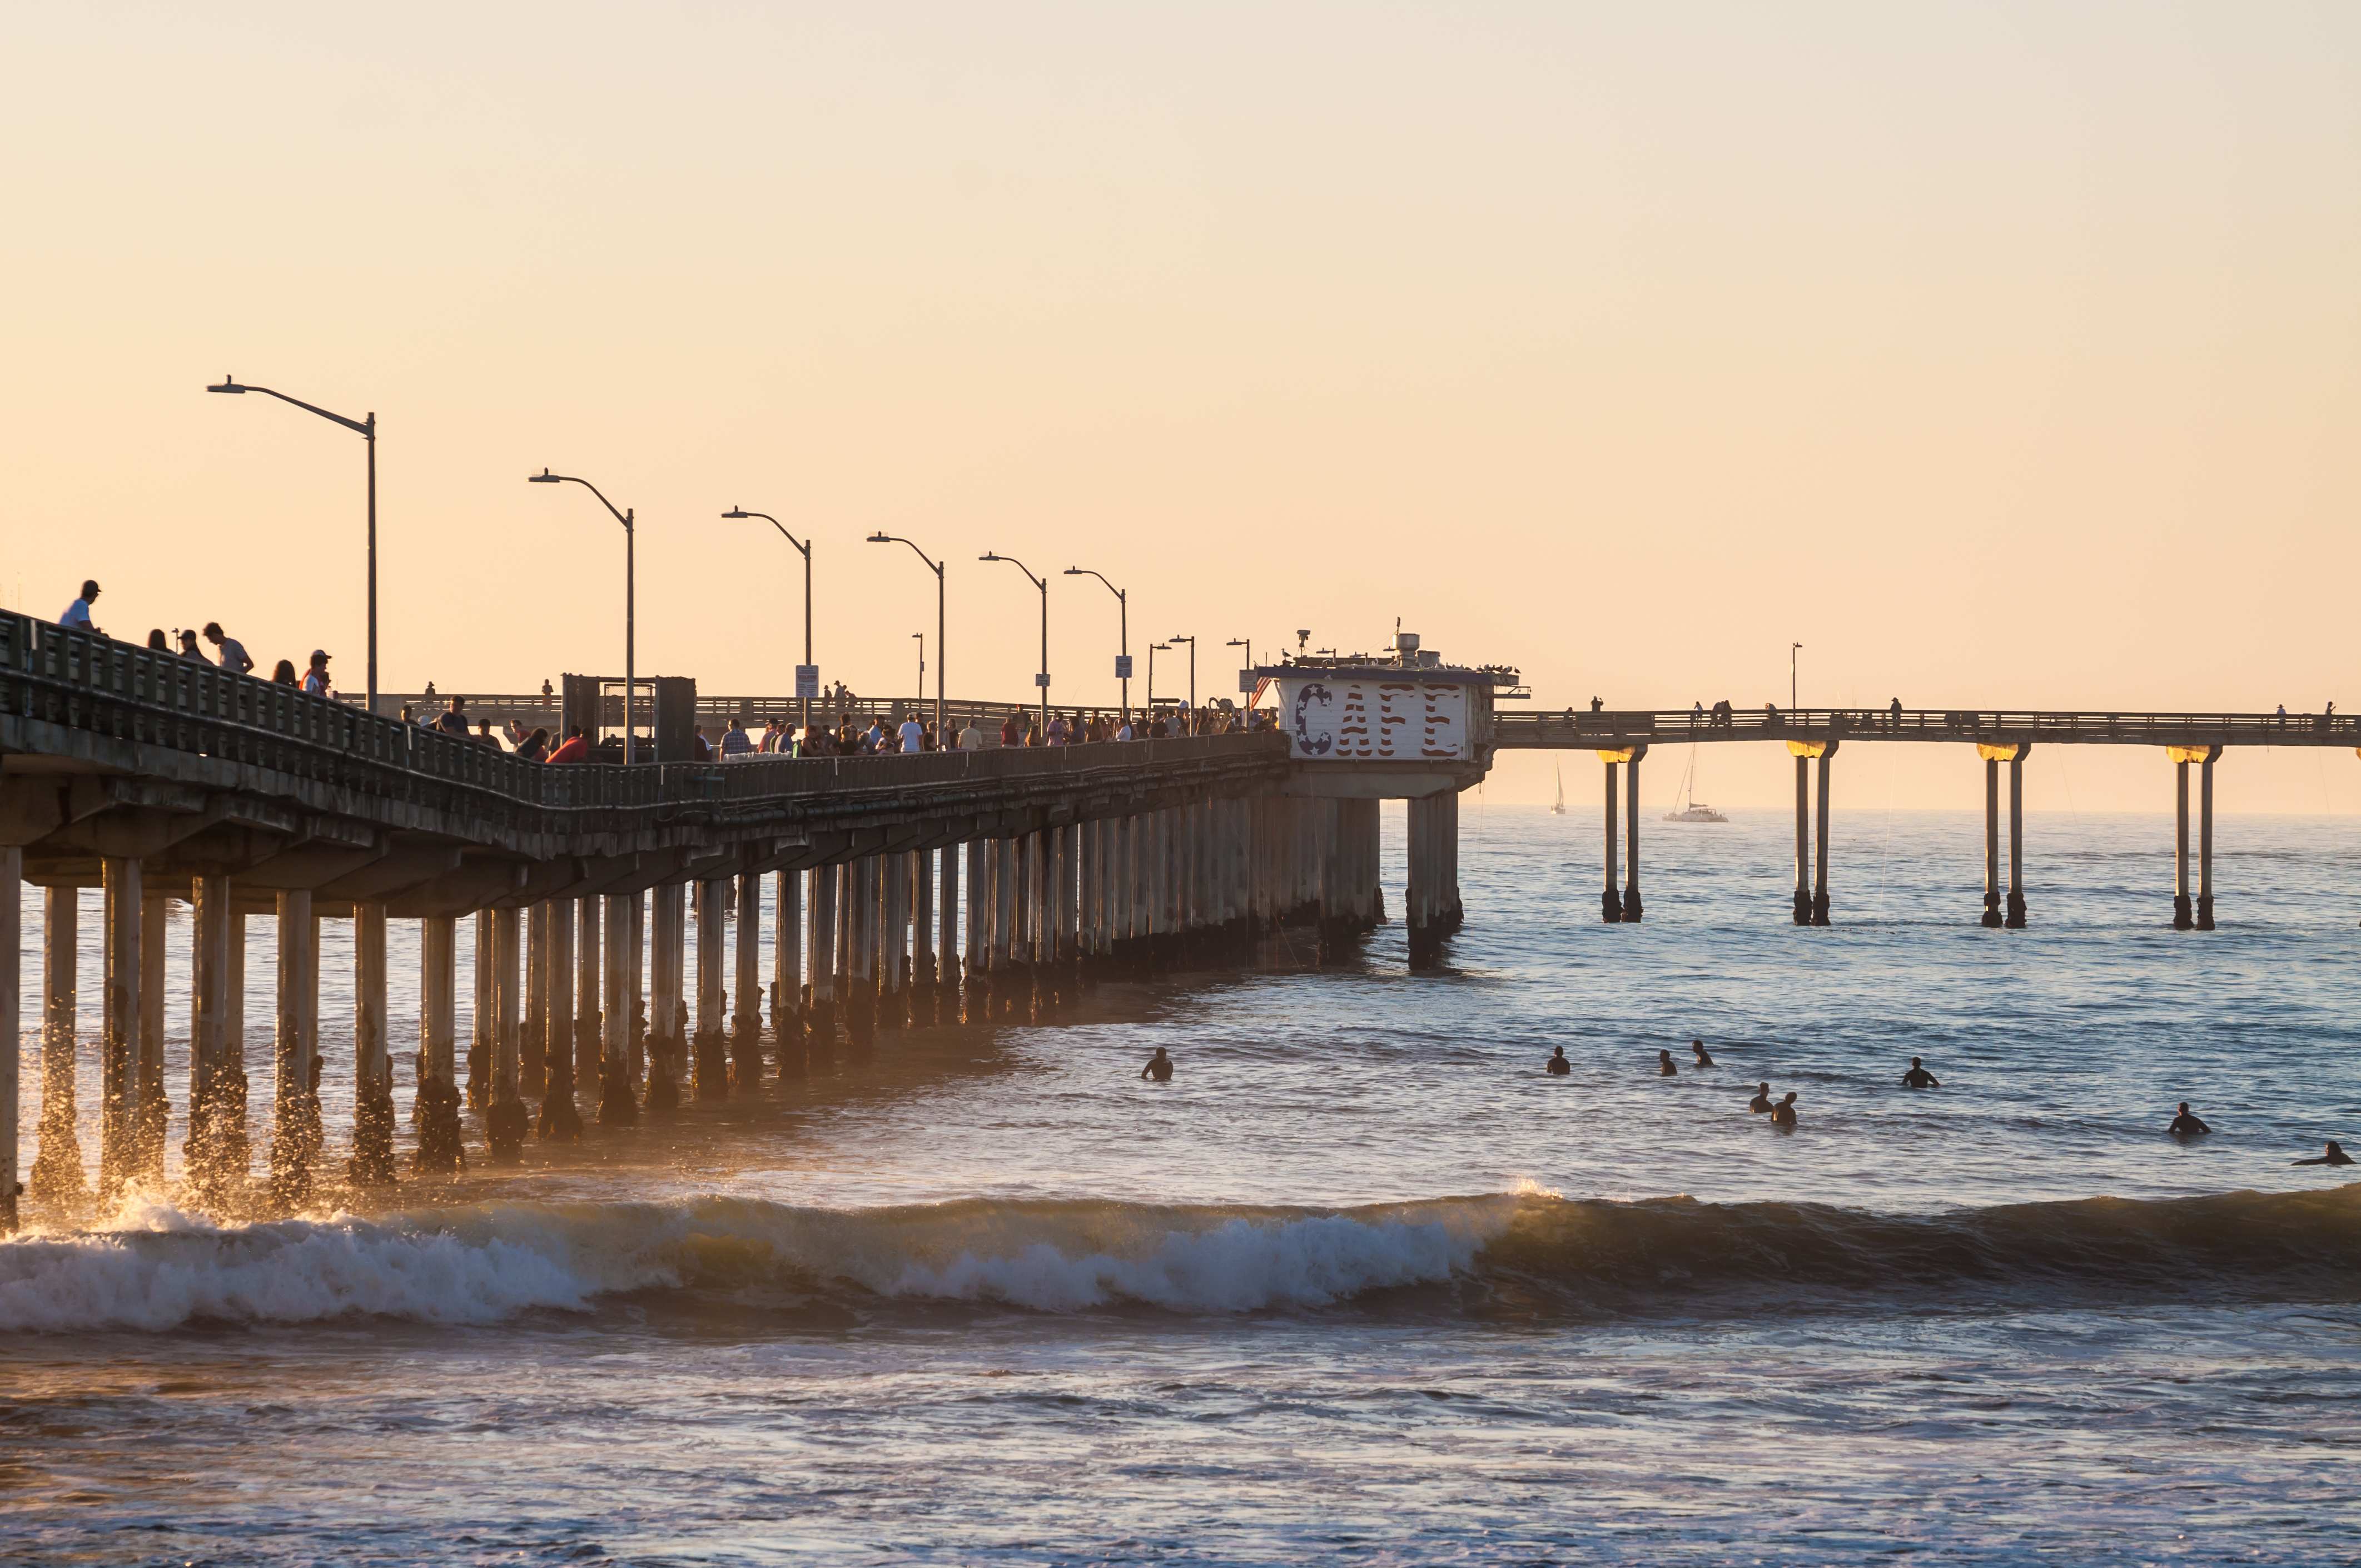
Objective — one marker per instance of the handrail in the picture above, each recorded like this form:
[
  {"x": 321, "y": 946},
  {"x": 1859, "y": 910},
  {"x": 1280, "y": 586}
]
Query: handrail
[
  {"x": 1991, "y": 726},
  {"x": 84, "y": 680}
]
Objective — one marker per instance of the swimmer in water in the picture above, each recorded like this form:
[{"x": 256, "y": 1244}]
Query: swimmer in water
[
  {"x": 1919, "y": 1078},
  {"x": 1160, "y": 1067},
  {"x": 1761, "y": 1100},
  {"x": 1782, "y": 1114},
  {"x": 2335, "y": 1156},
  {"x": 1557, "y": 1066},
  {"x": 1704, "y": 1056},
  {"x": 2185, "y": 1125},
  {"x": 1664, "y": 1068}
]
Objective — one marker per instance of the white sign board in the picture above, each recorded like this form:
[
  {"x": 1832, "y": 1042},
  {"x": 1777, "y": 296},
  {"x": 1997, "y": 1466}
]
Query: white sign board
[
  {"x": 807, "y": 682},
  {"x": 1357, "y": 718}
]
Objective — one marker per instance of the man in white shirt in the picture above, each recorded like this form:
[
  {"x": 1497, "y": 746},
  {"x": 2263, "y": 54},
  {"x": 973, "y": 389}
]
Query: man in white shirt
[
  {"x": 1126, "y": 732},
  {"x": 77, "y": 615},
  {"x": 315, "y": 679},
  {"x": 232, "y": 656},
  {"x": 972, "y": 738},
  {"x": 914, "y": 735}
]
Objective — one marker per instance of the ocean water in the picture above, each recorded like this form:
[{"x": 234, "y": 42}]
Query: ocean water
[{"x": 1362, "y": 1285}]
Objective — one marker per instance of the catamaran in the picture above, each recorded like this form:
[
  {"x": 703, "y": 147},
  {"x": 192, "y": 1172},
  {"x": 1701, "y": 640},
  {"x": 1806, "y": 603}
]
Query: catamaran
[{"x": 1689, "y": 810}]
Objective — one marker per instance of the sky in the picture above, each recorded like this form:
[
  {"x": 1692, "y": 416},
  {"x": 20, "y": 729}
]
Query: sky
[{"x": 2001, "y": 354}]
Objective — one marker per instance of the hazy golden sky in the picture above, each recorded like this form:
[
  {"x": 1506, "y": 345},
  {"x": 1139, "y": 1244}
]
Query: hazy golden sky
[{"x": 2002, "y": 355}]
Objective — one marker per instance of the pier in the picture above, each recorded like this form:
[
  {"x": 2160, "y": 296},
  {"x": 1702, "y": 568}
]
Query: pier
[{"x": 907, "y": 890}]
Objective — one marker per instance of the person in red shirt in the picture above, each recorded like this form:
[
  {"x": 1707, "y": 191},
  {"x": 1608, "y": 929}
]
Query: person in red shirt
[{"x": 575, "y": 750}]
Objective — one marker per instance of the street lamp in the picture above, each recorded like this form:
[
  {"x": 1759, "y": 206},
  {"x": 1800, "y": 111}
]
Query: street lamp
[
  {"x": 1041, "y": 680},
  {"x": 1193, "y": 672},
  {"x": 1154, "y": 649},
  {"x": 1247, "y": 643},
  {"x": 803, "y": 547},
  {"x": 922, "y": 668},
  {"x": 367, "y": 426},
  {"x": 1123, "y": 647},
  {"x": 881, "y": 537},
  {"x": 631, "y": 591},
  {"x": 1791, "y": 649}
]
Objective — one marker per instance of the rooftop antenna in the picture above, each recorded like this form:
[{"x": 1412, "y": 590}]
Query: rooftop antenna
[{"x": 1302, "y": 637}]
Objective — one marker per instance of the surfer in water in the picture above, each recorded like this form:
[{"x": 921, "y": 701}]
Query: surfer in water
[
  {"x": 1704, "y": 1056},
  {"x": 1782, "y": 1114},
  {"x": 1664, "y": 1068},
  {"x": 2185, "y": 1125},
  {"x": 1761, "y": 1100},
  {"x": 1919, "y": 1078},
  {"x": 1557, "y": 1066},
  {"x": 2335, "y": 1156},
  {"x": 1160, "y": 1067}
]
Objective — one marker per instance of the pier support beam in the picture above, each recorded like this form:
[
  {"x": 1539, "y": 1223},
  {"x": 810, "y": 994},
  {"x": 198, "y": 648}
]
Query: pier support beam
[
  {"x": 976, "y": 960},
  {"x": 788, "y": 1006},
  {"x": 2205, "y": 838},
  {"x": 746, "y": 1016},
  {"x": 1432, "y": 893},
  {"x": 819, "y": 1030},
  {"x": 618, "y": 1106},
  {"x": 155, "y": 1110},
  {"x": 442, "y": 1140},
  {"x": 635, "y": 943},
  {"x": 209, "y": 1109},
  {"x": 2182, "y": 917},
  {"x": 507, "y": 1121},
  {"x": 2016, "y": 921},
  {"x": 668, "y": 971},
  {"x": 57, "y": 1176},
  {"x": 372, "y": 1158},
  {"x": 534, "y": 1064},
  {"x": 709, "y": 1037},
  {"x": 1632, "y": 908},
  {"x": 589, "y": 1027},
  {"x": 118, "y": 1062},
  {"x": 295, "y": 1132},
  {"x": 480, "y": 1036},
  {"x": 1803, "y": 908},
  {"x": 1992, "y": 918},
  {"x": 1610, "y": 901},
  {"x": 947, "y": 950},
  {"x": 561, "y": 1119},
  {"x": 923, "y": 973},
  {"x": 860, "y": 952},
  {"x": 1821, "y": 840},
  {"x": 12, "y": 940}
]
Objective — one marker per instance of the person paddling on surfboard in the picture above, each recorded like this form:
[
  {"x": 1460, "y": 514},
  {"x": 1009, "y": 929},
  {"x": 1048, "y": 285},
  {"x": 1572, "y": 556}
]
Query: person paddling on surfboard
[{"x": 2335, "y": 1156}]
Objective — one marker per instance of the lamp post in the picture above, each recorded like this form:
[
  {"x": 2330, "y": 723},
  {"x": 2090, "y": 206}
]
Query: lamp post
[
  {"x": 1154, "y": 649},
  {"x": 631, "y": 592},
  {"x": 366, "y": 427},
  {"x": 1041, "y": 680},
  {"x": 941, "y": 658},
  {"x": 1192, "y": 673},
  {"x": 1247, "y": 643},
  {"x": 803, "y": 547},
  {"x": 922, "y": 665},
  {"x": 1791, "y": 650},
  {"x": 1123, "y": 622}
]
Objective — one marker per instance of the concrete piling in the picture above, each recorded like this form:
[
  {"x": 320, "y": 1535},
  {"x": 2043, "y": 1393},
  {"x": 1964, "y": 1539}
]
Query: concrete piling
[
  {"x": 860, "y": 952},
  {"x": 2205, "y": 837},
  {"x": 820, "y": 1031},
  {"x": 209, "y": 1103},
  {"x": 442, "y": 1140},
  {"x": 746, "y": 1016},
  {"x": 619, "y": 1105},
  {"x": 119, "y": 1043},
  {"x": 372, "y": 1158},
  {"x": 2183, "y": 918},
  {"x": 479, "y": 1038},
  {"x": 788, "y": 1006},
  {"x": 154, "y": 1111},
  {"x": 1632, "y": 908},
  {"x": 589, "y": 1030},
  {"x": 1819, "y": 837},
  {"x": 12, "y": 939},
  {"x": 295, "y": 1131},
  {"x": 709, "y": 1035},
  {"x": 923, "y": 970},
  {"x": 2015, "y": 920},
  {"x": 57, "y": 1175},
  {"x": 667, "y": 1046},
  {"x": 506, "y": 1123},
  {"x": 1803, "y": 905},
  {"x": 561, "y": 1119}
]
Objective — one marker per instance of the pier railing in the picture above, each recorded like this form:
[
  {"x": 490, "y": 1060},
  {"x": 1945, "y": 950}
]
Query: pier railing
[
  {"x": 98, "y": 689},
  {"x": 1613, "y": 728}
]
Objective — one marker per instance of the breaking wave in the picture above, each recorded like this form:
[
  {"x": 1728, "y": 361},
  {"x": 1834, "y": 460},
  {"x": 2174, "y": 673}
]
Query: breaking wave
[{"x": 1513, "y": 1255}]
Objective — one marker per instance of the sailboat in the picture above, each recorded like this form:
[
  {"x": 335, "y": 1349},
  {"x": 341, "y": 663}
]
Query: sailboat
[
  {"x": 1557, "y": 807},
  {"x": 1689, "y": 810}
]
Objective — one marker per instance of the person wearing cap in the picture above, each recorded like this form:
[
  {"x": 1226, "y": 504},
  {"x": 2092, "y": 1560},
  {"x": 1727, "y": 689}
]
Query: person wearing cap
[
  {"x": 315, "y": 679},
  {"x": 77, "y": 615}
]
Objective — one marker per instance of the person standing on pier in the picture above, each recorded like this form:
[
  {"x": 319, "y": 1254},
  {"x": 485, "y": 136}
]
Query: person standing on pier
[
  {"x": 315, "y": 679},
  {"x": 77, "y": 615},
  {"x": 576, "y": 748},
  {"x": 232, "y": 656},
  {"x": 972, "y": 738},
  {"x": 452, "y": 719},
  {"x": 735, "y": 742}
]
